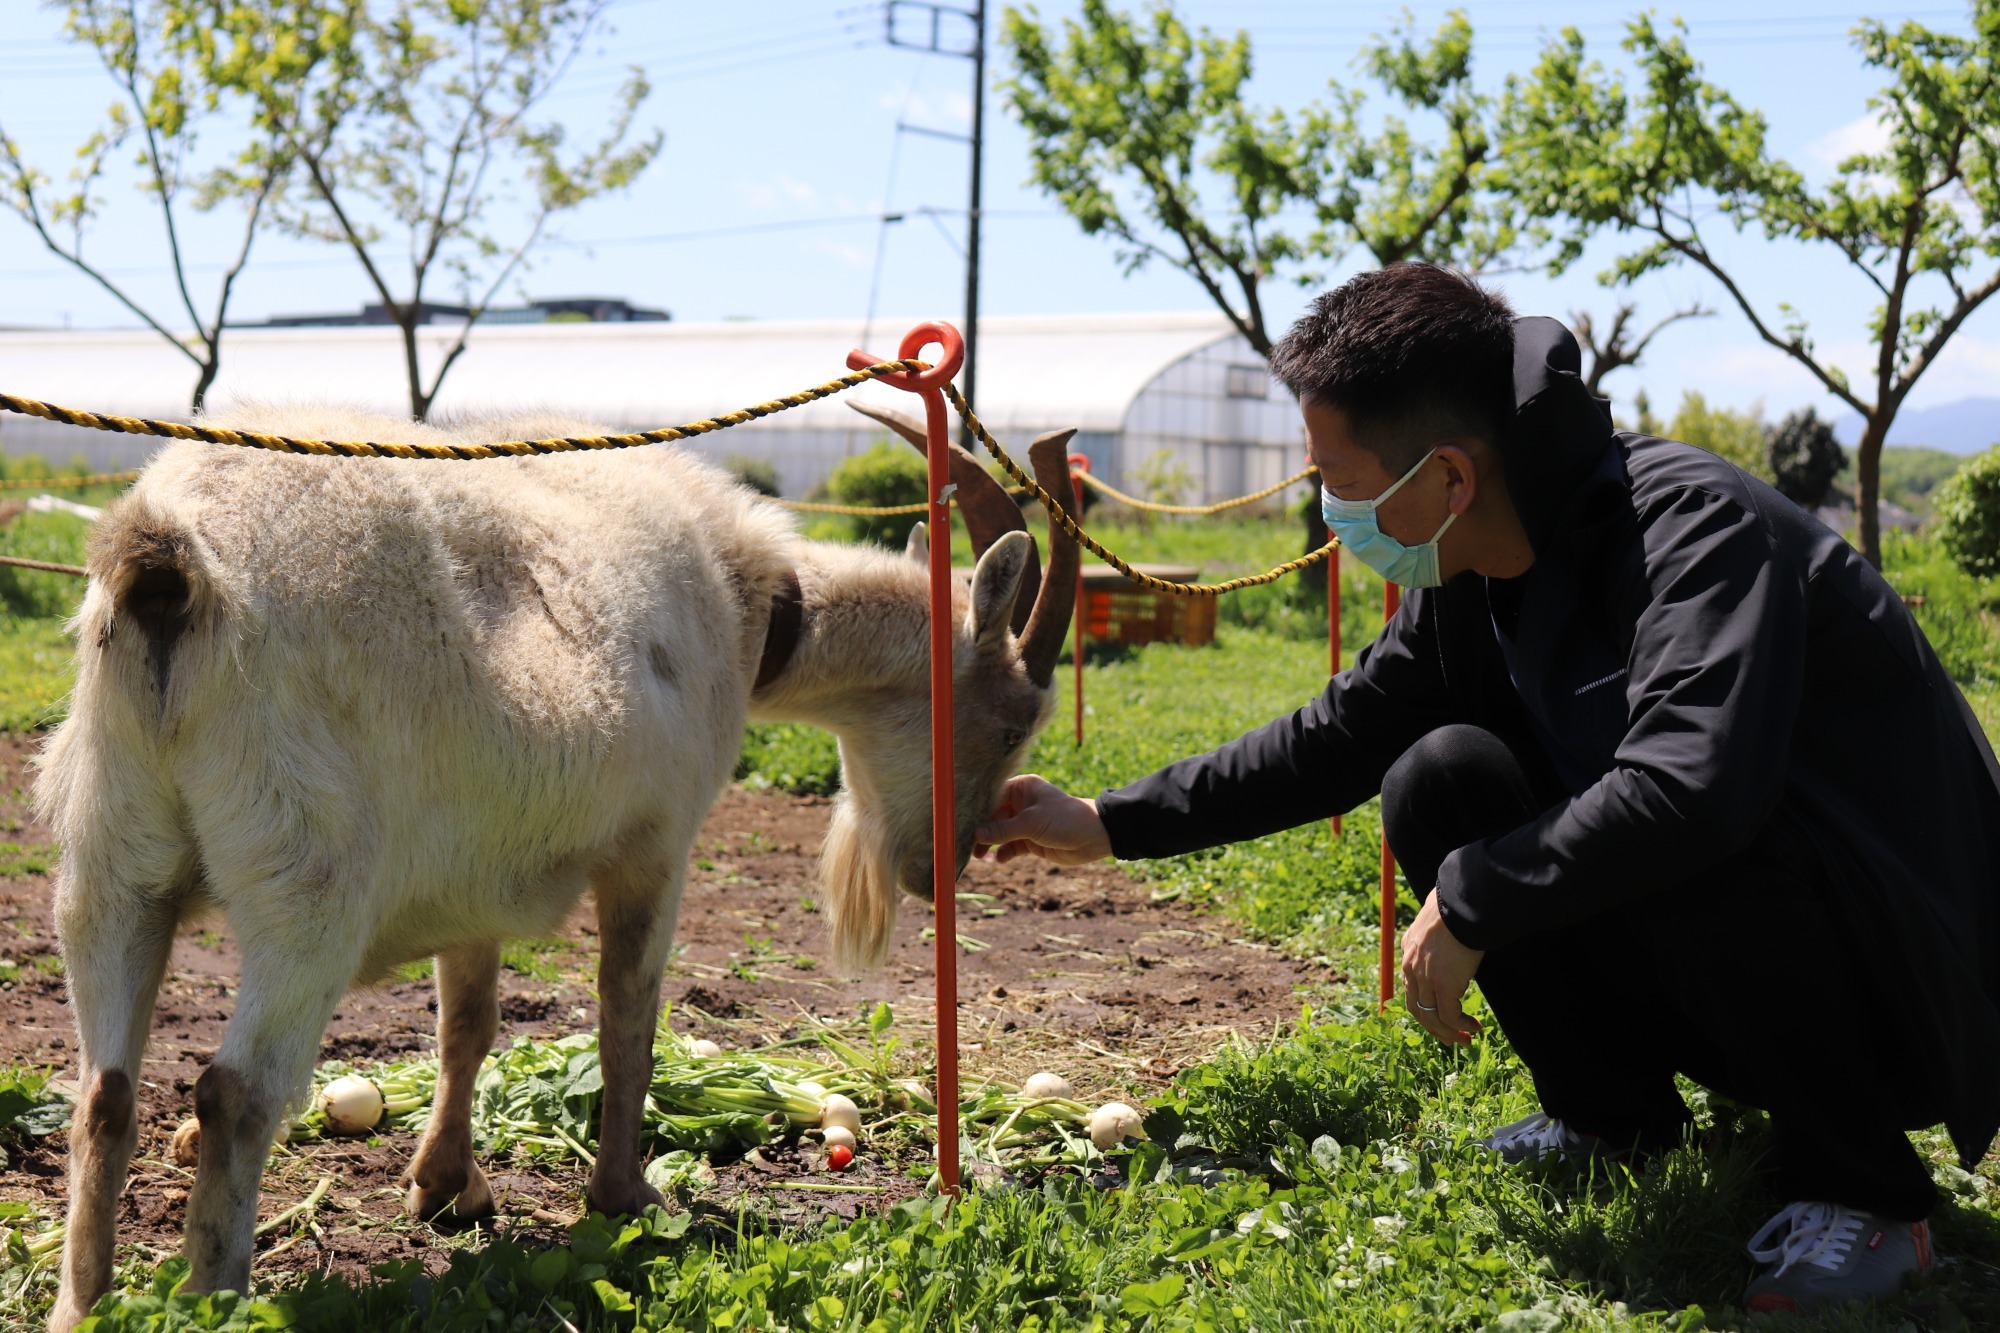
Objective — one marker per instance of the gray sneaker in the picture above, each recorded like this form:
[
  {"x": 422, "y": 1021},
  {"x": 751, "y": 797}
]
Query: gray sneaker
[
  {"x": 1819, "y": 1254},
  {"x": 1534, "y": 1137}
]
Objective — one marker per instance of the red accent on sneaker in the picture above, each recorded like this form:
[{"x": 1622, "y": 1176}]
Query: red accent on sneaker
[
  {"x": 1773, "y": 1300},
  {"x": 1875, "y": 1241}
]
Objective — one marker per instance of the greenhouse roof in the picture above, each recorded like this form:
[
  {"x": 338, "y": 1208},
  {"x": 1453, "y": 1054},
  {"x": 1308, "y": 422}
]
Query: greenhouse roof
[{"x": 1035, "y": 372}]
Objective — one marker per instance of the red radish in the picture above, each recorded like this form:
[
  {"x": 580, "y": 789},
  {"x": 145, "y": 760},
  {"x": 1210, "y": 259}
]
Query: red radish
[{"x": 840, "y": 1157}]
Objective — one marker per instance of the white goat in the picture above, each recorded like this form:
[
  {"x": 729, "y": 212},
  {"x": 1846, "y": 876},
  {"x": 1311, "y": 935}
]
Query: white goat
[{"x": 377, "y": 710}]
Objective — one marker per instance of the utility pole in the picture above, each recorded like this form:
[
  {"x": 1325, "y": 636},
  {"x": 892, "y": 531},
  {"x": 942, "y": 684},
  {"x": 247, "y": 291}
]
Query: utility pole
[{"x": 923, "y": 28}]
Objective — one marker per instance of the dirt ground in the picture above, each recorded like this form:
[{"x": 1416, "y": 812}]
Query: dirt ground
[{"x": 1073, "y": 969}]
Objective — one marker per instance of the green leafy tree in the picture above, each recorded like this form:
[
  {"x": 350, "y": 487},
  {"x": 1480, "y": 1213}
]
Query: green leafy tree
[
  {"x": 1736, "y": 436},
  {"x": 1668, "y": 160},
  {"x": 1805, "y": 458},
  {"x": 1968, "y": 515},
  {"x": 1138, "y": 128},
  {"x": 168, "y": 96},
  {"x": 410, "y": 163},
  {"x": 1645, "y": 423}
]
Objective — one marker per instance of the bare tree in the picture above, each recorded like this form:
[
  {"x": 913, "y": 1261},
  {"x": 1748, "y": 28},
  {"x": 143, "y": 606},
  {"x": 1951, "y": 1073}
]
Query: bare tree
[
  {"x": 439, "y": 130},
  {"x": 1614, "y": 352}
]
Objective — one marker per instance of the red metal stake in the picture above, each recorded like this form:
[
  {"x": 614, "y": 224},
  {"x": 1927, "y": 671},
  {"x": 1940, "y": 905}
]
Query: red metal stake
[
  {"x": 1333, "y": 634},
  {"x": 1392, "y": 597},
  {"x": 944, "y": 823},
  {"x": 1078, "y": 465}
]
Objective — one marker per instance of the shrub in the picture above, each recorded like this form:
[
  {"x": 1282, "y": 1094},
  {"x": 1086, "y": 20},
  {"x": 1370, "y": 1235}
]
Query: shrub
[
  {"x": 1968, "y": 515},
  {"x": 759, "y": 474},
  {"x": 1804, "y": 458},
  {"x": 887, "y": 474}
]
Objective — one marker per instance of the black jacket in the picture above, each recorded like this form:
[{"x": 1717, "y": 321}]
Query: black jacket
[{"x": 1697, "y": 658}]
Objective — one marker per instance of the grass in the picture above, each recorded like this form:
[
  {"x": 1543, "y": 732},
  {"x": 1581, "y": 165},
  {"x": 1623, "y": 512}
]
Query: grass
[{"x": 1322, "y": 1178}]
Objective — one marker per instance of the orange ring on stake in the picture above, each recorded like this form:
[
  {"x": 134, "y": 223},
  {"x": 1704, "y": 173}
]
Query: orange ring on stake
[{"x": 929, "y": 384}]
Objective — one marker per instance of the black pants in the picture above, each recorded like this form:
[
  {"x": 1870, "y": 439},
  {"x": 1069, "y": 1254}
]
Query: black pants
[{"x": 1736, "y": 980}]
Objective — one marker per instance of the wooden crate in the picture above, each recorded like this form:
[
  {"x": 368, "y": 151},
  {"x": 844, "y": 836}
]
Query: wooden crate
[{"x": 1117, "y": 610}]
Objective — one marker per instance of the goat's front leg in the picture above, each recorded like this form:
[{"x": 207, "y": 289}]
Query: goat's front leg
[
  {"x": 636, "y": 912},
  {"x": 115, "y": 948},
  {"x": 293, "y": 975},
  {"x": 443, "y": 1174}
]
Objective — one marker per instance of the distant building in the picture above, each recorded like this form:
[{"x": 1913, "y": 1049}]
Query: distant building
[
  {"x": 1146, "y": 393},
  {"x": 559, "y": 310}
]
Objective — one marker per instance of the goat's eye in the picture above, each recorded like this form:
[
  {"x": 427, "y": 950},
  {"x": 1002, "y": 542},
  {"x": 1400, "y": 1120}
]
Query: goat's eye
[{"x": 1014, "y": 738}]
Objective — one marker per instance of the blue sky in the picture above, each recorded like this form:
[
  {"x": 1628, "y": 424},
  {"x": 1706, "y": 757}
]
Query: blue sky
[{"x": 781, "y": 153}]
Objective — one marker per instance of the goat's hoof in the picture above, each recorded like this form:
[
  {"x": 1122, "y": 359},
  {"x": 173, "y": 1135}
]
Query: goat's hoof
[
  {"x": 626, "y": 1200},
  {"x": 470, "y": 1203},
  {"x": 68, "y": 1313},
  {"x": 187, "y": 1143}
]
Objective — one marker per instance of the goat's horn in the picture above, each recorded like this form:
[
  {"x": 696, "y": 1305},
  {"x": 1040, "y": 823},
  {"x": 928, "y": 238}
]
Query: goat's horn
[
  {"x": 1048, "y": 623},
  {"x": 989, "y": 511}
]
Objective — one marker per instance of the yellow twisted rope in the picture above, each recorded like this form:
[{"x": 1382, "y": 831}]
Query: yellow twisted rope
[
  {"x": 286, "y": 444},
  {"x": 68, "y": 483},
  {"x": 1106, "y": 488},
  {"x": 1111, "y": 558},
  {"x": 870, "y": 511},
  {"x": 516, "y": 448}
]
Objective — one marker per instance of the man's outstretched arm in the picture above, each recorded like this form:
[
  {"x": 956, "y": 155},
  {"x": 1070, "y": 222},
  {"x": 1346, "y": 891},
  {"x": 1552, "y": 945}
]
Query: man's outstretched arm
[{"x": 1324, "y": 759}]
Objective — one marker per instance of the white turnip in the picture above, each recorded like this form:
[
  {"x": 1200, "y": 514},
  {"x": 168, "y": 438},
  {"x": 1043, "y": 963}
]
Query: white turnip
[
  {"x": 352, "y": 1105},
  {"x": 838, "y": 1111},
  {"x": 1112, "y": 1123}
]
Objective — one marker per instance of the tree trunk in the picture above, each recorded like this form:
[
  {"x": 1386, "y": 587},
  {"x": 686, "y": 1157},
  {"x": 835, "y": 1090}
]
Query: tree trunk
[
  {"x": 406, "y": 320},
  {"x": 1868, "y": 490},
  {"x": 1313, "y": 577},
  {"x": 209, "y": 370}
]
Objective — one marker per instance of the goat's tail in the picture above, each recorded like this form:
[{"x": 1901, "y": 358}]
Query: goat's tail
[
  {"x": 858, "y": 882},
  {"x": 150, "y": 589},
  {"x": 142, "y": 634}
]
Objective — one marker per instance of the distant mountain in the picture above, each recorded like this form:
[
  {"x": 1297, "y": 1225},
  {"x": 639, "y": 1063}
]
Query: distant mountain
[{"x": 1964, "y": 427}]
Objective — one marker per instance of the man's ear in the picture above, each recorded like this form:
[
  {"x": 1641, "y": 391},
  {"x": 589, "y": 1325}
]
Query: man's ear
[{"x": 1463, "y": 458}]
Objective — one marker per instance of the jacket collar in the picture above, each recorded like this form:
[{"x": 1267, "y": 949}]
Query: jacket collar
[{"x": 1560, "y": 433}]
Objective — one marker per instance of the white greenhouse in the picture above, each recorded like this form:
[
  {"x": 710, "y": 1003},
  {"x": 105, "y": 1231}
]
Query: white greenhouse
[{"x": 1150, "y": 395}]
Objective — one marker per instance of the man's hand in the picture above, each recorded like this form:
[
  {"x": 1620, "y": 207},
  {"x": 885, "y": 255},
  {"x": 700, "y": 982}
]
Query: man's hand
[
  {"x": 1437, "y": 970},
  {"x": 1037, "y": 816}
]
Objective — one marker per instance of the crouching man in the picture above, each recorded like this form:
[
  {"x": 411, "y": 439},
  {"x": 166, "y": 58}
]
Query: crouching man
[{"x": 1674, "y": 772}]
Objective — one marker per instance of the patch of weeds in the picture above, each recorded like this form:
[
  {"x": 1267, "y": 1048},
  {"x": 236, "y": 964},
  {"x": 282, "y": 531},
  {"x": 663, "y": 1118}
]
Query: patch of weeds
[
  {"x": 790, "y": 757},
  {"x": 16, "y": 859},
  {"x": 535, "y": 958},
  {"x": 37, "y": 666}
]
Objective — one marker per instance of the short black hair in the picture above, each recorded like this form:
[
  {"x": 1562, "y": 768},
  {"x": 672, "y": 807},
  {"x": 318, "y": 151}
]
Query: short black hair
[{"x": 1408, "y": 354}]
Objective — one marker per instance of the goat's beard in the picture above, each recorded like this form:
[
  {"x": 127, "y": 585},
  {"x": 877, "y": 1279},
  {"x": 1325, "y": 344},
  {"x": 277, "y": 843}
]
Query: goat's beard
[{"x": 859, "y": 880}]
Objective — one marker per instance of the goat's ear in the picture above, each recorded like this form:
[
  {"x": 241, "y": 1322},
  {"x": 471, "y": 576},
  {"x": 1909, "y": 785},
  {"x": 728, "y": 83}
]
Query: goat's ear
[
  {"x": 918, "y": 547},
  {"x": 996, "y": 582}
]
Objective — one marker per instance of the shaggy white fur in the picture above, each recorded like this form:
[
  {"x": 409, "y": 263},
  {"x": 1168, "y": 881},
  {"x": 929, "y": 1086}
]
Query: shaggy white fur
[{"x": 374, "y": 710}]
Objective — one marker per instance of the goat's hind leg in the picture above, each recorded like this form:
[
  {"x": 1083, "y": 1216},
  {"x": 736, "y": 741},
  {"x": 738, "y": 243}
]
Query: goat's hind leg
[
  {"x": 638, "y": 904},
  {"x": 443, "y": 1175},
  {"x": 115, "y": 948}
]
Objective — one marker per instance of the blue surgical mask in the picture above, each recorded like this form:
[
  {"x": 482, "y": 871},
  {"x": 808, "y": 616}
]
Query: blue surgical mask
[{"x": 1353, "y": 521}]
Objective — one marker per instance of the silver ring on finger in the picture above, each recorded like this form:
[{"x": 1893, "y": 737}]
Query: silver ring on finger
[{"x": 1427, "y": 1008}]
